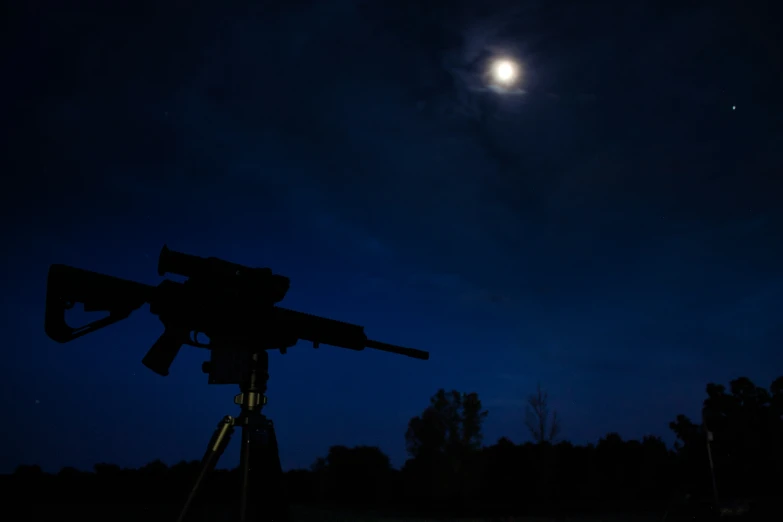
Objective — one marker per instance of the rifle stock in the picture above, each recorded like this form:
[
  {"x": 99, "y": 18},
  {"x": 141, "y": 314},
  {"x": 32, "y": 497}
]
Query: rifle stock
[{"x": 67, "y": 286}]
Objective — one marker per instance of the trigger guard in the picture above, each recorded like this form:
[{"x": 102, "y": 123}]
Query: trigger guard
[{"x": 196, "y": 342}]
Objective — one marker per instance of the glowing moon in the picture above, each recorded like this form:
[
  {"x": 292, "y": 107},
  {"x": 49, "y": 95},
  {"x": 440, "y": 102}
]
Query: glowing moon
[{"x": 504, "y": 72}]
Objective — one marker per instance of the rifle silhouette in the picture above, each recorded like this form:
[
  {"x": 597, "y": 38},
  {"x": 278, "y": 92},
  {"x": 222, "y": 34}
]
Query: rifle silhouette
[
  {"x": 228, "y": 303},
  {"x": 235, "y": 307}
]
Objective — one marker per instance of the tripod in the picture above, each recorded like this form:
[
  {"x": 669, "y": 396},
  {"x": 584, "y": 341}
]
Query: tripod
[{"x": 260, "y": 472}]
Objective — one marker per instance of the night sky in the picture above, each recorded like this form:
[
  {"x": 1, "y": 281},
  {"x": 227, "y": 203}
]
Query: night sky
[{"x": 610, "y": 227}]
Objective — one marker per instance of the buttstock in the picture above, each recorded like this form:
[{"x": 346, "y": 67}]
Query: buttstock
[{"x": 67, "y": 286}]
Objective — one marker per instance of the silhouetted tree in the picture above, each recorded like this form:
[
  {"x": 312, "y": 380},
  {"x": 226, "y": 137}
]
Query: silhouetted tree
[
  {"x": 451, "y": 423},
  {"x": 544, "y": 425},
  {"x": 443, "y": 442},
  {"x": 26, "y": 471},
  {"x": 746, "y": 439},
  {"x": 655, "y": 472},
  {"x": 106, "y": 471},
  {"x": 361, "y": 475},
  {"x": 69, "y": 472},
  {"x": 319, "y": 465}
]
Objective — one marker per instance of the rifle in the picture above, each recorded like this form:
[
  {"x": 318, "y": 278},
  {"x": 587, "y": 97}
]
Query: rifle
[{"x": 231, "y": 304}]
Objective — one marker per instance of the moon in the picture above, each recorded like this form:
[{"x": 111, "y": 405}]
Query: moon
[{"x": 505, "y": 72}]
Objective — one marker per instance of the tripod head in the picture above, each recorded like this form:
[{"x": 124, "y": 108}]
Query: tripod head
[{"x": 233, "y": 305}]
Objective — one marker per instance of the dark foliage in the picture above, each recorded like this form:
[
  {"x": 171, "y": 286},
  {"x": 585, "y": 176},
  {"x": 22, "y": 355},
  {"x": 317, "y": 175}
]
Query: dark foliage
[{"x": 450, "y": 473}]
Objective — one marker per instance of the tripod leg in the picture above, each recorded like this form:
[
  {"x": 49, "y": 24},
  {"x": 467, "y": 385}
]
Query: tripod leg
[
  {"x": 278, "y": 503},
  {"x": 217, "y": 444},
  {"x": 253, "y": 467},
  {"x": 246, "y": 452},
  {"x": 261, "y": 474}
]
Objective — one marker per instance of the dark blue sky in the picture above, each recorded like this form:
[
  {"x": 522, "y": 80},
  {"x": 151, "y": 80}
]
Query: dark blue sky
[{"x": 613, "y": 232}]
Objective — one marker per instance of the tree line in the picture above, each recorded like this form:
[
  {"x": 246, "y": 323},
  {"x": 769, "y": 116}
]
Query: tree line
[{"x": 734, "y": 452}]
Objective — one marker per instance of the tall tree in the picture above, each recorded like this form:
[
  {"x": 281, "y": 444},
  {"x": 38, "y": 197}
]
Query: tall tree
[
  {"x": 451, "y": 423},
  {"x": 444, "y": 442},
  {"x": 744, "y": 428},
  {"x": 544, "y": 425}
]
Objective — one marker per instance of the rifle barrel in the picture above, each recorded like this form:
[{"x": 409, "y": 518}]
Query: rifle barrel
[{"x": 410, "y": 352}]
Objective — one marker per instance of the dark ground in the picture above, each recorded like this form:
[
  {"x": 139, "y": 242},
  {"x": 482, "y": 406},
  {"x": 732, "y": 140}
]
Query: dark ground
[{"x": 155, "y": 513}]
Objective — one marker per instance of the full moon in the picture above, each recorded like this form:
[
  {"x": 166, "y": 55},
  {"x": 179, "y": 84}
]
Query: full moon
[{"x": 504, "y": 72}]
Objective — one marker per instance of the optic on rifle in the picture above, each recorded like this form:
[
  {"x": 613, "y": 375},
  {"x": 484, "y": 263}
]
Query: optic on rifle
[{"x": 260, "y": 281}]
